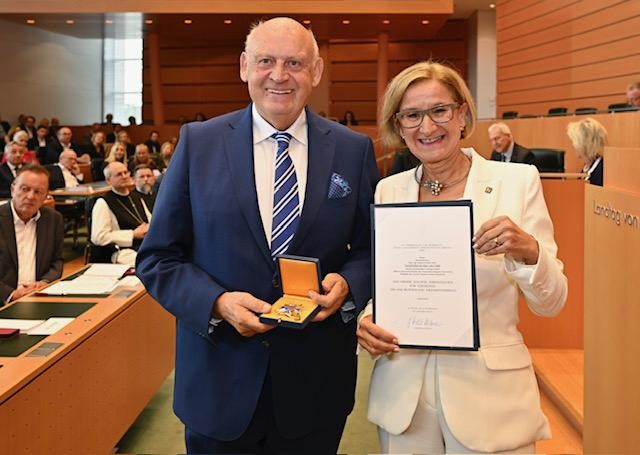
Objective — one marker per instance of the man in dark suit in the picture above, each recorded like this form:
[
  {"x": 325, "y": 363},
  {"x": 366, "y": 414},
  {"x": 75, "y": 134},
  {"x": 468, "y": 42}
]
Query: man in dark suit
[
  {"x": 13, "y": 152},
  {"x": 63, "y": 142},
  {"x": 243, "y": 386},
  {"x": 66, "y": 173},
  {"x": 505, "y": 148},
  {"x": 31, "y": 237}
]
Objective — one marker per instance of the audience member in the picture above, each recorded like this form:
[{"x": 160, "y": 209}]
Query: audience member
[
  {"x": 31, "y": 237},
  {"x": 123, "y": 137},
  {"x": 505, "y": 148},
  {"x": 132, "y": 121},
  {"x": 11, "y": 132},
  {"x": 29, "y": 125},
  {"x": 108, "y": 121},
  {"x": 117, "y": 152},
  {"x": 113, "y": 135},
  {"x": 13, "y": 154},
  {"x": 66, "y": 173},
  {"x": 22, "y": 138},
  {"x": 120, "y": 217},
  {"x": 40, "y": 142},
  {"x": 200, "y": 117},
  {"x": 54, "y": 127},
  {"x": 55, "y": 148},
  {"x": 153, "y": 143},
  {"x": 144, "y": 179},
  {"x": 589, "y": 138},
  {"x": 142, "y": 156},
  {"x": 633, "y": 95},
  {"x": 403, "y": 160},
  {"x": 95, "y": 148},
  {"x": 166, "y": 152},
  {"x": 349, "y": 118}
]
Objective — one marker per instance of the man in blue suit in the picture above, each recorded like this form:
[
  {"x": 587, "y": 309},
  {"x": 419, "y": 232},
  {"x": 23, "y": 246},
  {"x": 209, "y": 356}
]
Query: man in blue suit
[{"x": 242, "y": 386}]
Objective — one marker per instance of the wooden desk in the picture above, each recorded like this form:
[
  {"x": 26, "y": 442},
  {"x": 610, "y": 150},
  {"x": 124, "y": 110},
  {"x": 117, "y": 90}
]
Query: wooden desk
[
  {"x": 84, "y": 396},
  {"x": 82, "y": 191}
]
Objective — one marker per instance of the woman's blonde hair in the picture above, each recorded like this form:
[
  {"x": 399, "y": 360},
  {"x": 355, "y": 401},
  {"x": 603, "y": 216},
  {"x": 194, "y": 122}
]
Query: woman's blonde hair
[
  {"x": 588, "y": 136},
  {"x": 389, "y": 128},
  {"x": 111, "y": 155}
]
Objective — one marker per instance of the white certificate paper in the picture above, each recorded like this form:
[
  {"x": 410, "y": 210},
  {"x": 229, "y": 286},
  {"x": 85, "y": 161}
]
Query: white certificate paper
[{"x": 424, "y": 274}]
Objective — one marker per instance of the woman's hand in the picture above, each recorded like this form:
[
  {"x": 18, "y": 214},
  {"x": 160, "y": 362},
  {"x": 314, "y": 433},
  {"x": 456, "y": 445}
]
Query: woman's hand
[
  {"x": 500, "y": 235},
  {"x": 374, "y": 339}
]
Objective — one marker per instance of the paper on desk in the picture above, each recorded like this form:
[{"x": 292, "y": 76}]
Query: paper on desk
[
  {"x": 82, "y": 285},
  {"x": 22, "y": 324},
  {"x": 112, "y": 270},
  {"x": 129, "y": 281},
  {"x": 50, "y": 326}
]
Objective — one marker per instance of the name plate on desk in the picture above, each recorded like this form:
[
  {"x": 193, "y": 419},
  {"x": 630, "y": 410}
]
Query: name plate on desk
[{"x": 424, "y": 274}]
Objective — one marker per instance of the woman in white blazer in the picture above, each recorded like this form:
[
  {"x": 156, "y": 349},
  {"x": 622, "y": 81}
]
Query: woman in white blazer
[{"x": 460, "y": 401}]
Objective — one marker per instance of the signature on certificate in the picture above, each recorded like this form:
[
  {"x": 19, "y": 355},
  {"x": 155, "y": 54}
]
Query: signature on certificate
[{"x": 422, "y": 322}]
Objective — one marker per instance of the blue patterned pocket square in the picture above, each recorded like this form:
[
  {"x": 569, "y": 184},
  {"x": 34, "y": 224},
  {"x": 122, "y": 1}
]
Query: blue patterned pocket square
[{"x": 338, "y": 187}]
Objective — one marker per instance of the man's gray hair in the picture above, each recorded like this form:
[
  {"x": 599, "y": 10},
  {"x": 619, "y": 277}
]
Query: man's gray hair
[
  {"x": 9, "y": 146},
  {"x": 502, "y": 127}
]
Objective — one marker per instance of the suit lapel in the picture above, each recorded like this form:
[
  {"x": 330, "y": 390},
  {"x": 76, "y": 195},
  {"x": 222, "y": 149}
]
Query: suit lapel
[
  {"x": 6, "y": 225},
  {"x": 321, "y": 150},
  {"x": 238, "y": 146},
  {"x": 483, "y": 188}
]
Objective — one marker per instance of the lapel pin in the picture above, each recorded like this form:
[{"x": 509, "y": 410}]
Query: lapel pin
[{"x": 488, "y": 190}]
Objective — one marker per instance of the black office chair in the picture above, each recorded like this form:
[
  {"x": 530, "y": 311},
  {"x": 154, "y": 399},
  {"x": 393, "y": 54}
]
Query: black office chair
[
  {"x": 586, "y": 110},
  {"x": 557, "y": 111},
  {"x": 549, "y": 160},
  {"x": 510, "y": 114},
  {"x": 621, "y": 107},
  {"x": 93, "y": 252}
]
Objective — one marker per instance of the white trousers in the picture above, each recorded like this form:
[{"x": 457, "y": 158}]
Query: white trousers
[{"x": 428, "y": 432}]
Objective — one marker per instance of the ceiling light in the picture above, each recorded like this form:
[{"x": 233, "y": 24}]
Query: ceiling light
[
  {"x": 228, "y": 21},
  {"x": 346, "y": 22},
  {"x": 70, "y": 21},
  {"x": 148, "y": 21},
  {"x": 30, "y": 21},
  {"x": 492, "y": 5},
  {"x": 188, "y": 21},
  {"x": 306, "y": 22},
  {"x": 108, "y": 21},
  {"x": 386, "y": 22},
  {"x": 425, "y": 22}
]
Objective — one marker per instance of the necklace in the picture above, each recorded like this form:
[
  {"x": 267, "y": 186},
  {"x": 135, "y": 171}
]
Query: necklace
[
  {"x": 436, "y": 186},
  {"x": 136, "y": 216}
]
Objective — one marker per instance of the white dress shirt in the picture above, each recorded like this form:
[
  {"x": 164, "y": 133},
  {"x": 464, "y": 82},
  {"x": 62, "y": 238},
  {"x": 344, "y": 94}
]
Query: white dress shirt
[
  {"x": 264, "y": 156},
  {"x": 106, "y": 230},
  {"x": 13, "y": 169},
  {"x": 26, "y": 243},
  {"x": 70, "y": 180}
]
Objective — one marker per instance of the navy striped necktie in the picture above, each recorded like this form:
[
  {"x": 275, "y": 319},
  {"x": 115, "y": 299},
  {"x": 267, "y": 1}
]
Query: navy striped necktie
[{"x": 286, "y": 204}]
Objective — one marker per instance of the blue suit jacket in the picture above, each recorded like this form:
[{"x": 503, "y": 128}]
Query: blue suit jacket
[{"x": 206, "y": 237}]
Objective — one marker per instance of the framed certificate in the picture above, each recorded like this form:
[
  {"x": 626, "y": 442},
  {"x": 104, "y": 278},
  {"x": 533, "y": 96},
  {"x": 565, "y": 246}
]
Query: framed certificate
[{"x": 424, "y": 287}]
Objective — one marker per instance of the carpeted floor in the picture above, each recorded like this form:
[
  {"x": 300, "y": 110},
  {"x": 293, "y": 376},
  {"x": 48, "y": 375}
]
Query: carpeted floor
[{"x": 158, "y": 431}]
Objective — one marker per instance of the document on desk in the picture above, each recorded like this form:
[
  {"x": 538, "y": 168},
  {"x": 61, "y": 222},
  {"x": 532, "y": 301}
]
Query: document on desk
[
  {"x": 424, "y": 274},
  {"x": 49, "y": 327},
  {"x": 24, "y": 325},
  {"x": 97, "y": 279}
]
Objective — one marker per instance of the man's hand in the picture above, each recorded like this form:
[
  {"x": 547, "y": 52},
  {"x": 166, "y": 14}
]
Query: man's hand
[
  {"x": 23, "y": 289},
  {"x": 140, "y": 231},
  {"x": 336, "y": 291},
  {"x": 239, "y": 309}
]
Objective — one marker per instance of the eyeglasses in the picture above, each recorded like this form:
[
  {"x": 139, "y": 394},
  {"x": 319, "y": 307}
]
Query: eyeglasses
[{"x": 413, "y": 118}]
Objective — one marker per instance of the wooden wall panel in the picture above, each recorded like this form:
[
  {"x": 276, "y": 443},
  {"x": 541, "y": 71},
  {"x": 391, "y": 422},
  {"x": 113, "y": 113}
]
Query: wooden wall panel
[
  {"x": 353, "y": 67},
  {"x": 566, "y": 53}
]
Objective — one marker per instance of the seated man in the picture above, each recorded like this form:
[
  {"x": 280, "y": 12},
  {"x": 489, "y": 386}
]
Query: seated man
[
  {"x": 56, "y": 147},
  {"x": 505, "y": 148},
  {"x": 144, "y": 180},
  {"x": 31, "y": 237},
  {"x": 13, "y": 152},
  {"x": 66, "y": 173},
  {"x": 633, "y": 95},
  {"x": 120, "y": 217}
]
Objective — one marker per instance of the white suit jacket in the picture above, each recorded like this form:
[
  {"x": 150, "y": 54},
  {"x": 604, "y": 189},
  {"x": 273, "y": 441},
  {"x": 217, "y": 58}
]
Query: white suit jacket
[{"x": 489, "y": 398}]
